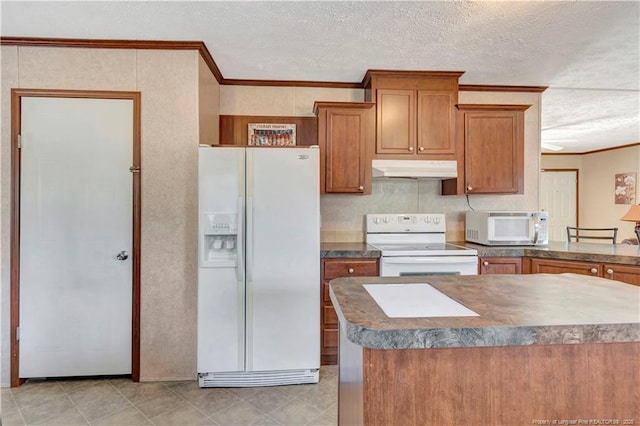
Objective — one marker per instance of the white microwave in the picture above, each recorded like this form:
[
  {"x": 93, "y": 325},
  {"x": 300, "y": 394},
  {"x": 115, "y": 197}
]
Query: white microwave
[{"x": 495, "y": 228}]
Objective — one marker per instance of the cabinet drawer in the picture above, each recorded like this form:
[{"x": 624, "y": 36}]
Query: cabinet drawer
[
  {"x": 330, "y": 338},
  {"x": 349, "y": 268},
  {"x": 326, "y": 297},
  {"x": 330, "y": 316}
]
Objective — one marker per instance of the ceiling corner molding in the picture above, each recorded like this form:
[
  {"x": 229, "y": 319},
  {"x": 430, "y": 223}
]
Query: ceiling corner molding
[
  {"x": 596, "y": 151},
  {"x": 208, "y": 59},
  {"x": 290, "y": 83},
  {"x": 117, "y": 44},
  {"x": 494, "y": 88},
  {"x": 492, "y": 107},
  {"x": 612, "y": 148}
]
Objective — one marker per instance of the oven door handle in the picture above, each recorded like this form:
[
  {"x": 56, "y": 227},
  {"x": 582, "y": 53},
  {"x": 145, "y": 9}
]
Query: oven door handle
[{"x": 428, "y": 260}]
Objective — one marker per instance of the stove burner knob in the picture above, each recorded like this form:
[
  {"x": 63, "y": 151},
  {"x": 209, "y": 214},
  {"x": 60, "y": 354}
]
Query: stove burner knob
[
  {"x": 385, "y": 219},
  {"x": 376, "y": 220},
  {"x": 436, "y": 220},
  {"x": 427, "y": 219}
]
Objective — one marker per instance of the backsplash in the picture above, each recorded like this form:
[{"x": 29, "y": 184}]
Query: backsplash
[{"x": 342, "y": 216}]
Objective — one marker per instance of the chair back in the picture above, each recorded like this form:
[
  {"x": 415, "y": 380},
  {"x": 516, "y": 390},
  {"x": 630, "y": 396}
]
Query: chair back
[{"x": 577, "y": 234}]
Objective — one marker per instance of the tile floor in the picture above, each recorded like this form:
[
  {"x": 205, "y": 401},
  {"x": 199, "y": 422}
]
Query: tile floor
[{"x": 120, "y": 402}]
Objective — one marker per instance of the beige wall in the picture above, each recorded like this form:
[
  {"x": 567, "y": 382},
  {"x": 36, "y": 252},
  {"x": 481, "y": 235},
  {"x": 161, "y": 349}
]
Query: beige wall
[
  {"x": 286, "y": 101},
  {"x": 208, "y": 105},
  {"x": 343, "y": 215},
  {"x": 170, "y": 83},
  {"x": 596, "y": 177}
]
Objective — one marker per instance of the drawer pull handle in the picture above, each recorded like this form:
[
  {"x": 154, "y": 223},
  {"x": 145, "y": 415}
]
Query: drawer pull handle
[
  {"x": 610, "y": 271},
  {"x": 594, "y": 270},
  {"x": 469, "y": 188},
  {"x": 350, "y": 270},
  {"x": 410, "y": 148},
  {"x": 485, "y": 263},
  {"x": 421, "y": 149},
  {"x": 361, "y": 188}
]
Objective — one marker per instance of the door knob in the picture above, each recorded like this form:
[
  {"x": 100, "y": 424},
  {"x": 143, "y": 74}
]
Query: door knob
[
  {"x": 610, "y": 271},
  {"x": 594, "y": 271},
  {"x": 421, "y": 149},
  {"x": 123, "y": 255},
  {"x": 350, "y": 270}
]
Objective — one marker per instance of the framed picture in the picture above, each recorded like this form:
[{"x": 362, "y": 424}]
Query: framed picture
[
  {"x": 625, "y": 188},
  {"x": 264, "y": 134}
]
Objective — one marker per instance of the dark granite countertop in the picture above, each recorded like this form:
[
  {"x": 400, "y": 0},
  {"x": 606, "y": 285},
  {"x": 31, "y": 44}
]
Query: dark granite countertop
[
  {"x": 539, "y": 309},
  {"x": 347, "y": 250},
  {"x": 588, "y": 252}
]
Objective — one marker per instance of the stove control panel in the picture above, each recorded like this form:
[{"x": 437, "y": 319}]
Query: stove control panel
[{"x": 409, "y": 223}]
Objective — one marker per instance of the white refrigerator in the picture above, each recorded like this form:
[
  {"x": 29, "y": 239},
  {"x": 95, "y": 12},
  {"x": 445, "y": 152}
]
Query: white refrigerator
[{"x": 259, "y": 266}]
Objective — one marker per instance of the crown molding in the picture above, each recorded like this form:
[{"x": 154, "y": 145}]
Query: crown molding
[
  {"x": 117, "y": 44},
  {"x": 291, "y": 83},
  {"x": 495, "y": 88},
  {"x": 208, "y": 59},
  {"x": 595, "y": 151}
]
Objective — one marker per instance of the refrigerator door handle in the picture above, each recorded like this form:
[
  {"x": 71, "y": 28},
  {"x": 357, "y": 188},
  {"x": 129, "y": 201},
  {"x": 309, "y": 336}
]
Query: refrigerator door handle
[
  {"x": 240, "y": 242},
  {"x": 249, "y": 248},
  {"x": 249, "y": 288}
]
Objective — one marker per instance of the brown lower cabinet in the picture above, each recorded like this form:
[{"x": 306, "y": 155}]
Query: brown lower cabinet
[
  {"x": 625, "y": 273},
  {"x": 500, "y": 265},
  {"x": 337, "y": 268}
]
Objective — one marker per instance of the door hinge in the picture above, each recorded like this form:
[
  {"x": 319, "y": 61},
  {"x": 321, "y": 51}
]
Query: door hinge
[
  {"x": 19, "y": 141},
  {"x": 17, "y": 333},
  {"x": 134, "y": 169}
]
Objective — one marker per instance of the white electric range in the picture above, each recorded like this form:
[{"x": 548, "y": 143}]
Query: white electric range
[{"x": 415, "y": 244}]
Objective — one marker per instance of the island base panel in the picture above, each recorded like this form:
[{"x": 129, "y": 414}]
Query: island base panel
[
  {"x": 490, "y": 385},
  {"x": 350, "y": 388}
]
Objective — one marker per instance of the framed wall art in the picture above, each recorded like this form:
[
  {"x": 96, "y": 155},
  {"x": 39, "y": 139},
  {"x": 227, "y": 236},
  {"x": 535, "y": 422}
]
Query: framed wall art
[
  {"x": 625, "y": 188},
  {"x": 263, "y": 134}
]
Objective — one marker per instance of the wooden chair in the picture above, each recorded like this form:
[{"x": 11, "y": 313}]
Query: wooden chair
[{"x": 577, "y": 234}]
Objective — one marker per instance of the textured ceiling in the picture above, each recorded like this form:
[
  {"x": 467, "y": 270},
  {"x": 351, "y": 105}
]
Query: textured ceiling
[{"x": 588, "y": 53}]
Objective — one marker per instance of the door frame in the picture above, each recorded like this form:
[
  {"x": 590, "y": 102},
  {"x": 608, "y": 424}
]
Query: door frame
[
  {"x": 16, "y": 110},
  {"x": 577, "y": 173}
]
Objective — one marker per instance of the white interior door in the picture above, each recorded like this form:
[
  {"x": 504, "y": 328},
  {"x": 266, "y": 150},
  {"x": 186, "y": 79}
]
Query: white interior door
[
  {"x": 75, "y": 218},
  {"x": 558, "y": 195}
]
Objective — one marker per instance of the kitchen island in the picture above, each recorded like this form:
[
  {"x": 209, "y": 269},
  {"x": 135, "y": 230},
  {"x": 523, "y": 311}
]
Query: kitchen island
[{"x": 542, "y": 348}]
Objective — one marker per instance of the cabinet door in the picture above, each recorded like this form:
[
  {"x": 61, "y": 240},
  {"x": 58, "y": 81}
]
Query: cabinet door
[
  {"x": 494, "y": 152},
  {"x": 345, "y": 136},
  {"x": 436, "y": 123},
  {"x": 346, "y": 151},
  {"x": 396, "y": 121},
  {"x": 551, "y": 266},
  {"x": 500, "y": 265},
  {"x": 626, "y": 274}
]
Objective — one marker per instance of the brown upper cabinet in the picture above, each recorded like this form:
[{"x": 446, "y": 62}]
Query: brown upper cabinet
[
  {"x": 492, "y": 140},
  {"x": 416, "y": 113},
  {"x": 345, "y": 137}
]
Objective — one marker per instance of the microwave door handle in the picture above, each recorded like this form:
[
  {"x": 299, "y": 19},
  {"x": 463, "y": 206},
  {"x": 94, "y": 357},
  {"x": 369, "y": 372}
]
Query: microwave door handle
[{"x": 536, "y": 228}]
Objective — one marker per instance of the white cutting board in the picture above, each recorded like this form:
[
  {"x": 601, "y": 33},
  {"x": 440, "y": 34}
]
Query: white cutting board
[{"x": 415, "y": 301}]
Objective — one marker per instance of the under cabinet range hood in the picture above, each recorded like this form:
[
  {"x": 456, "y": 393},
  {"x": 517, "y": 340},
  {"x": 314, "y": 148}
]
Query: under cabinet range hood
[{"x": 434, "y": 169}]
